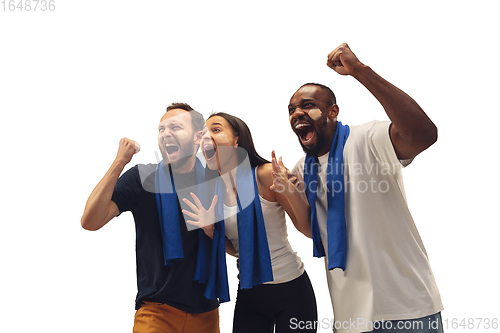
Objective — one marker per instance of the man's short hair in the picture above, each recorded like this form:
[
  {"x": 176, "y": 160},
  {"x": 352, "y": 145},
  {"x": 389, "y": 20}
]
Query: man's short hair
[
  {"x": 179, "y": 105},
  {"x": 197, "y": 120},
  {"x": 329, "y": 93}
]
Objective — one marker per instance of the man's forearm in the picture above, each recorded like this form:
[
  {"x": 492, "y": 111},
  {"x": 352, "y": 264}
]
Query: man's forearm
[
  {"x": 414, "y": 126},
  {"x": 98, "y": 205},
  {"x": 411, "y": 131}
]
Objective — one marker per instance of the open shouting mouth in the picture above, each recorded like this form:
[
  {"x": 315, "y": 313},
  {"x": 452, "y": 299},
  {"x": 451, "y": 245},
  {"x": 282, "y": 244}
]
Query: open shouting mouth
[
  {"x": 209, "y": 150},
  {"x": 305, "y": 131},
  {"x": 171, "y": 148}
]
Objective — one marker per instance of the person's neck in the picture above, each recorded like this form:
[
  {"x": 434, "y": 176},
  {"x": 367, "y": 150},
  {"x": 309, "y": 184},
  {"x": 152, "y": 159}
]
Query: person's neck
[
  {"x": 228, "y": 174},
  {"x": 329, "y": 135},
  {"x": 186, "y": 167}
]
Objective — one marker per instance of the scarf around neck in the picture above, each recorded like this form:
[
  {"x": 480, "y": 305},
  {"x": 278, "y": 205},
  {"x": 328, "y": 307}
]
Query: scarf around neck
[
  {"x": 168, "y": 211},
  {"x": 336, "y": 225},
  {"x": 254, "y": 257}
]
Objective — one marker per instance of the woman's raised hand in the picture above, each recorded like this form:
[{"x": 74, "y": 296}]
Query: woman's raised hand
[{"x": 203, "y": 218}]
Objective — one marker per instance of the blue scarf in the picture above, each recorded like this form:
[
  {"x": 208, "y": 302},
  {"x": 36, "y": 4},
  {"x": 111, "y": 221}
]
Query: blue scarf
[
  {"x": 336, "y": 228},
  {"x": 215, "y": 273},
  {"x": 255, "y": 260},
  {"x": 168, "y": 212}
]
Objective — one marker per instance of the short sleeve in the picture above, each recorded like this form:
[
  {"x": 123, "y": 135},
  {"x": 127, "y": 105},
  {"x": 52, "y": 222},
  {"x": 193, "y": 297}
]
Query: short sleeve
[
  {"x": 380, "y": 143},
  {"x": 128, "y": 190}
]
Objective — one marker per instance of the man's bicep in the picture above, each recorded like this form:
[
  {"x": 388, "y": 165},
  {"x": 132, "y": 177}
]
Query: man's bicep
[
  {"x": 404, "y": 151},
  {"x": 113, "y": 211}
]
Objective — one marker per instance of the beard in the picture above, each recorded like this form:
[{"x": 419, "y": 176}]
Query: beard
[
  {"x": 320, "y": 141},
  {"x": 187, "y": 151}
]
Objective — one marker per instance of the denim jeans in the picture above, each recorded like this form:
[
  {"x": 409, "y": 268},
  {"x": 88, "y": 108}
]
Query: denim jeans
[{"x": 429, "y": 324}]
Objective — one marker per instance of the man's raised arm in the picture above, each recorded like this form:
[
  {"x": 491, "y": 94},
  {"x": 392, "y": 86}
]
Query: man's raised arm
[
  {"x": 100, "y": 209},
  {"x": 411, "y": 131}
]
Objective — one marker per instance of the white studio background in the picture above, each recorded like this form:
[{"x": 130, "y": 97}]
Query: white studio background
[{"x": 75, "y": 80}]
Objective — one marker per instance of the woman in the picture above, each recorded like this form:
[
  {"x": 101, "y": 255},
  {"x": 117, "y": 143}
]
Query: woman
[{"x": 275, "y": 291}]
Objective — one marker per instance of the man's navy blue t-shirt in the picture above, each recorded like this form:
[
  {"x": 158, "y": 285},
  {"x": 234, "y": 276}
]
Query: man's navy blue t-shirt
[{"x": 172, "y": 285}]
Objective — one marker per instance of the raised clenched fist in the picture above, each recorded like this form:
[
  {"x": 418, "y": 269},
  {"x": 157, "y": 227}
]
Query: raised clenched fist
[
  {"x": 126, "y": 149},
  {"x": 343, "y": 61}
]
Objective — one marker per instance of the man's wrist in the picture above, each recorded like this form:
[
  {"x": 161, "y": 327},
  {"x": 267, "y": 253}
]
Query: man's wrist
[
  {"x": 119, "y": 164},
  {"x": 361, "y": 71}
]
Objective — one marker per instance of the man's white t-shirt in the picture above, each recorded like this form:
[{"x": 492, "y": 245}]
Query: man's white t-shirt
[{"x": 388, "y": 275}]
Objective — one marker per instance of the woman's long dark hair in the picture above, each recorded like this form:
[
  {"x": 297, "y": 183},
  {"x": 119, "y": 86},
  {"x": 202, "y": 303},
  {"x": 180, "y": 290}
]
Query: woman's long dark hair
[{"x": 245, "y": 141}]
